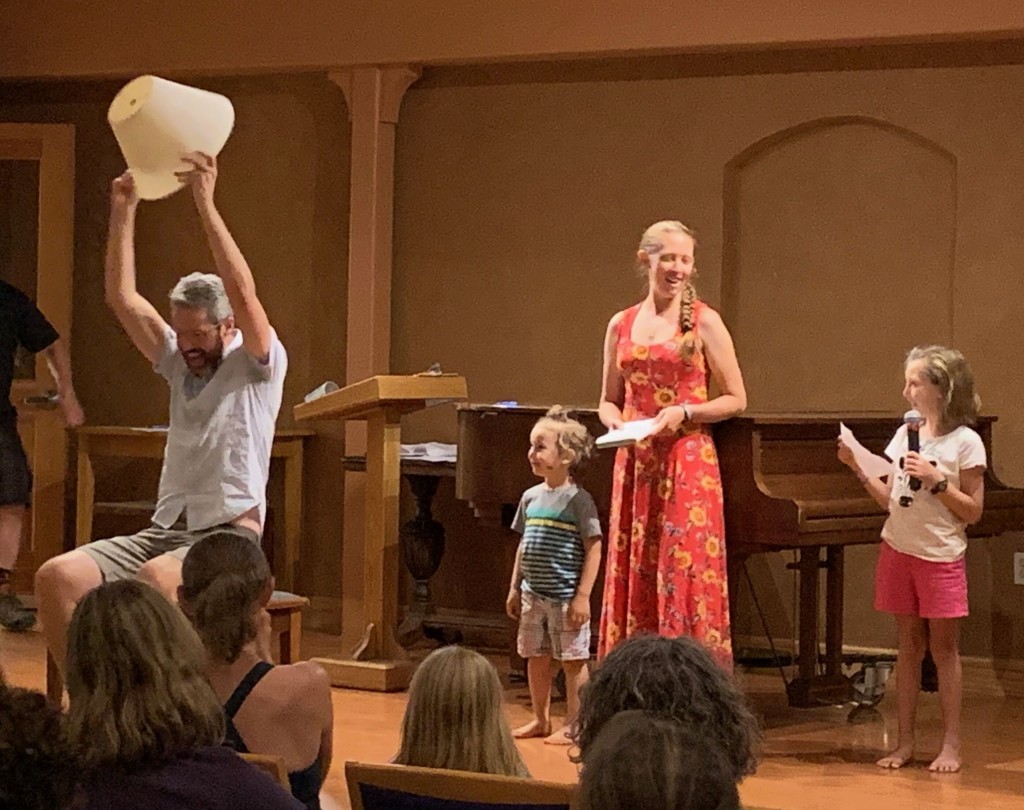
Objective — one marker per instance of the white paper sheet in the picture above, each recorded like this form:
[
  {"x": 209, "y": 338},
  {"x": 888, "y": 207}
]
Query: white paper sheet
[
  {"x": 871, "y": 465},
  {"x": 629, "y": 433},
  {"x": 429, "y": 451}
]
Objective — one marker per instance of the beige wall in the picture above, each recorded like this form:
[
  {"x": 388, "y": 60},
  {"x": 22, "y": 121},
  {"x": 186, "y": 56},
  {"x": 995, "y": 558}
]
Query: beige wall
[
  {"x": 65, "y": 38},
  {"x": 863, "y": 211}
]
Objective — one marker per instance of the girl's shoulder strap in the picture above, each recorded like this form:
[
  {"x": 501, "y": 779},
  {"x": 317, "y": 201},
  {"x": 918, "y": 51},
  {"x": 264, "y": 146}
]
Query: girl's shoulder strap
[{"x": 245, "y": 686}]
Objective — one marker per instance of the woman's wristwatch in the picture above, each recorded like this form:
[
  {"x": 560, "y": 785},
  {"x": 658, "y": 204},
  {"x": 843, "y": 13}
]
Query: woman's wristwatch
[
  {"x": 686, "y": 412},
  {"x": 940, "y": 487}
]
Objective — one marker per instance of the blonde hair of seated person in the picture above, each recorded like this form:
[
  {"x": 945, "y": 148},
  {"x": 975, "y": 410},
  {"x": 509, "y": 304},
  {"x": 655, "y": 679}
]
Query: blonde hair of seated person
[{"x": 454, "y": 717}]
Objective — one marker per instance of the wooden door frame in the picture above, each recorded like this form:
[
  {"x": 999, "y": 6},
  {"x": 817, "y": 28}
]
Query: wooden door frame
[{"x": 53, "y": 147}]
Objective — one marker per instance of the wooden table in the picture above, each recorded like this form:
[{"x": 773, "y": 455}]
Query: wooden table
[{"x": 139, "y": 442}]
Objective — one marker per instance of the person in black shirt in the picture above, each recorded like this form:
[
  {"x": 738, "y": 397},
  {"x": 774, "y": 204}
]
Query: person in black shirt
[{"x": 23, "y": 325}]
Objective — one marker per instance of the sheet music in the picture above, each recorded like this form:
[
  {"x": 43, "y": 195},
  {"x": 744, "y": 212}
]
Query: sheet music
[
  {"x": 871, "y": 465},
  {"x": 629, "y": 433}
]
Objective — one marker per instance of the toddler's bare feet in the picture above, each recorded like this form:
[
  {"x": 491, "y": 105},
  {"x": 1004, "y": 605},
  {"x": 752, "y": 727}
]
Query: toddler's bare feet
[
  {"x": 948, "y": 760},
  {"x": 560, "y": 737},
  {"x": 898, "y": 758},
  {"x": 535, "y": 728}
]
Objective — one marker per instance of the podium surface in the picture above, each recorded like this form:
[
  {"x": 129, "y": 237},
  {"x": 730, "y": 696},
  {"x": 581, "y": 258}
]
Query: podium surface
[
  {"x": 398, "y": 393},
  {"x": 379, "y": 663}
]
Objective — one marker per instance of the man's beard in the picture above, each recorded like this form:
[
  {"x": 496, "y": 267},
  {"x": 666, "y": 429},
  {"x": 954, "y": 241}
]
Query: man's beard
[{"x": 209, "y": 360}]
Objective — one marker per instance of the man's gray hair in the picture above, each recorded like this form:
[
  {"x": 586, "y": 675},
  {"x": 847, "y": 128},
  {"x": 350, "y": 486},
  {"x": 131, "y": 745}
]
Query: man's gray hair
[{"x": 202, "y": 291}]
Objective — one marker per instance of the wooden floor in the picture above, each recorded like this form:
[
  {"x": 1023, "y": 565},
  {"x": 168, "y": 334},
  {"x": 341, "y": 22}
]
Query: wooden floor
[{"x": 813, "y": 758}]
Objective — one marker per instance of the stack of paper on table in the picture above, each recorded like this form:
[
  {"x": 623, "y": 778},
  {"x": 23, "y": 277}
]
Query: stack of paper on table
[{"x": 429, "y": 451}]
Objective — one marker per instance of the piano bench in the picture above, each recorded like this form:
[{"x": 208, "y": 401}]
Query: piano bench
[{"x": 285, "y": 611}]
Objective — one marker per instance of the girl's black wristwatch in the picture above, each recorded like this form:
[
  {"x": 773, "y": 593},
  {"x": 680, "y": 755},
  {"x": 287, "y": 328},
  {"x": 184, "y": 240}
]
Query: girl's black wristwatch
[{"x": 940, "y": 487}]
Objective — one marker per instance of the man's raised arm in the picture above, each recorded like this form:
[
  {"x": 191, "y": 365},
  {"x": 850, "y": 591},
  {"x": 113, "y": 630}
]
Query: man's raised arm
[
  {"x": 139, "y": 318},
  {"x": 250, "y": 317}
]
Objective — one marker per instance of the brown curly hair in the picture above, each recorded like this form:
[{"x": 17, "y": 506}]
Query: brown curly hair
[
  {"x": 572, "y": 437},
  {"x": 675, "y": 678},
  {"x": 645, "y": 760},
  {"x": 37, "y": 768}
]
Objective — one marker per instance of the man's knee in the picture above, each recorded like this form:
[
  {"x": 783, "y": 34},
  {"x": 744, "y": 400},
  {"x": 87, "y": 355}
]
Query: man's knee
[
  {"x": 12, "y": 520},
  {"x": 69, "y": 576},
  {"x": 164, "y": 574}
]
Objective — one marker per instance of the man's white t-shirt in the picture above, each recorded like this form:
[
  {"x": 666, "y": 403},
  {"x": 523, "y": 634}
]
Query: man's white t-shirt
[
  {"x": 928, "y": 529},
  {"x": 217, "y": 458}
]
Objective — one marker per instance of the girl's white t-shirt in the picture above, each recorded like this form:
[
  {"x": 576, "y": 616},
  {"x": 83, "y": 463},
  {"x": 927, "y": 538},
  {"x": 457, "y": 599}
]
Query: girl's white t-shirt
[{"x": 926, "y": 528}]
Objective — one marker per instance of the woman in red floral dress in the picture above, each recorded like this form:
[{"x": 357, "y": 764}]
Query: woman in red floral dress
[{"x": 665, "y": 572}]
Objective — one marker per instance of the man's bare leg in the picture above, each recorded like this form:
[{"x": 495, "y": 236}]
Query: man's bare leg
[
  {"x": 14, "y": 616},
  {"x": 61, "y": 582},
  {"x": 164, "y": 574},
  {"x": 12, "y": 519}
]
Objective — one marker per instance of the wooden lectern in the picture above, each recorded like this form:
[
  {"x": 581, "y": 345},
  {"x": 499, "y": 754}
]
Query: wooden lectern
[{"x": 379, "y": 663}]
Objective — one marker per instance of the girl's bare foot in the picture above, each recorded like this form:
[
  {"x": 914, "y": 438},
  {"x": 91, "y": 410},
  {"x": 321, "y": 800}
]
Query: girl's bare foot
[
  {"x": 898, "y": 758},
  {"x": 535, "y": 728},
  {"x": 948, "y": 760},
  {"x": 560, "y": 737}
]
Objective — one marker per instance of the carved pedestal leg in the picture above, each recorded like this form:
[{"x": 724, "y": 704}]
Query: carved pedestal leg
[{"x": 422, "y": 544}]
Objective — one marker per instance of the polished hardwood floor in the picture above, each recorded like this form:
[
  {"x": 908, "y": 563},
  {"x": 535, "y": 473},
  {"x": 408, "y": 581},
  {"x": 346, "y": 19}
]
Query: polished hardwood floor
[{"x": 812, "y": 758}]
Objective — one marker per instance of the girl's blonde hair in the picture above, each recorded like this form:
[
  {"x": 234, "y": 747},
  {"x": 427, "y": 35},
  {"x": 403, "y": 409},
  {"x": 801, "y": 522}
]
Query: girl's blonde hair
[
  {"x": 651, "y": 242},
  {"x": 222, "y": 580},
  {"x": 572, "y": 437},
  {"x": 454, "y": 719},
  {"x": 136, "y": 682},
  {"x": 948, "y": 371}
]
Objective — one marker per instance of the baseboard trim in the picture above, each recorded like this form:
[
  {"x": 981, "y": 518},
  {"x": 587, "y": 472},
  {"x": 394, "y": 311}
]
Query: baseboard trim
[{"x": 983, "y": 677}]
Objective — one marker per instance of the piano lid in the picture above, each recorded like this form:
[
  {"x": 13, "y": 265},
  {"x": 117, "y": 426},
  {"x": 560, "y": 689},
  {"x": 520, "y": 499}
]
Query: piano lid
[{"x": 783, "y": 485}]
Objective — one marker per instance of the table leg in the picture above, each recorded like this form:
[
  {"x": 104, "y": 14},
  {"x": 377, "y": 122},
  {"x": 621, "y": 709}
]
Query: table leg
[
  {"x": 85, "y": 493},
  {"x": 292, "y": 517}
]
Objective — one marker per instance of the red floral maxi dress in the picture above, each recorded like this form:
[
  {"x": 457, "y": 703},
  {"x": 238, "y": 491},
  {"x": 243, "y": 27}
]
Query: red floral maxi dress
[{"x": 665, "y": 571}]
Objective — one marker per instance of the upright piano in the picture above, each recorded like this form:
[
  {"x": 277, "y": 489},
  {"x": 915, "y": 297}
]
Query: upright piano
[{"x": 784, "y": 490}]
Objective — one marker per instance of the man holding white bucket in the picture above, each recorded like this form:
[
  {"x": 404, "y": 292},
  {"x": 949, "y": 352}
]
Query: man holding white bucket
[{"x": 225, "y": 368}]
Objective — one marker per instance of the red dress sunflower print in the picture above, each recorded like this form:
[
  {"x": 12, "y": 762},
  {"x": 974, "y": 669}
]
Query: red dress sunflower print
[{"x": 665, "y": 570}]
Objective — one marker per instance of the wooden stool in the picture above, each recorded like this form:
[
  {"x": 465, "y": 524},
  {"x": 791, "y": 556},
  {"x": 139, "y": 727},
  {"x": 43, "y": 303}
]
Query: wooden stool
[{"x": 285, "y": 611}]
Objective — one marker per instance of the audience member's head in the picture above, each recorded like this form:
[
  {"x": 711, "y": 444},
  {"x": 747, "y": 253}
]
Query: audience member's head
[
  {"x": 225, "y": 582},
  {"x": 454, "y": 717},
  {"x": 644, "y": 760},
  {"x": 676, "y": 678},
  {"x": 37, "y": 769},
  {"x": 135, "y": 680}
]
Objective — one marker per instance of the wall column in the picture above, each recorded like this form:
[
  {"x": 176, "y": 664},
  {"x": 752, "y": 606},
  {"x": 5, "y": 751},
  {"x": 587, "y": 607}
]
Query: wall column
[{"x": 374, "y": 96}]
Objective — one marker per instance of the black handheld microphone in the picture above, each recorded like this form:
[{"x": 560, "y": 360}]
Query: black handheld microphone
[{"x": 913, "y": 420}]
